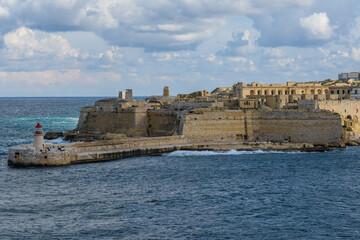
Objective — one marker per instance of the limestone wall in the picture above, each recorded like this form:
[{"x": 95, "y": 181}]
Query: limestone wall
[
  {"x": 320, "y": 127},
  {"x": 348, "y": 110},
  {"x": 296, "y": 126},
  {"x": 83, "y": 113},
  {"x": 132, "y": 122},
  {"x": 162, "y": 123},
  {"x": 215, "y": 125}
]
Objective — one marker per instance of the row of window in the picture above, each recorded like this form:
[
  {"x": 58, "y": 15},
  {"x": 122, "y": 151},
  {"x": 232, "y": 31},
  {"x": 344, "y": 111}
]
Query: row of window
[
  {"x": 343, "y": 91},
  {"x": 279, "y": 92}
]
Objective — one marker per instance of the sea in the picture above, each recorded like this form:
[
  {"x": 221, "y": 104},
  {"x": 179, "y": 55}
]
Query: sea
[{"x": 180, "y": 195}]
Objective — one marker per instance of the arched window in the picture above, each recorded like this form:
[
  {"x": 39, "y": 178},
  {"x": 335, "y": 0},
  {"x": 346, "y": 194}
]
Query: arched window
[
  {"x": 319, "y": 91},
  {"x": 279, "y": 92},
  {"x": 259, "y": 92},
  {"x": 266, "y": 92},
  {"x": 272, "y": 92},
  {"x": 252, "y": 92},
  {"x": 292, "y": 92},
  {"x": 312, "y": 91}
]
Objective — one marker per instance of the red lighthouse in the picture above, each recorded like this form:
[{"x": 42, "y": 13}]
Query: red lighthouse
[
  {"x": 38, "y": 129},
  {"x": 38, "y": 138}
]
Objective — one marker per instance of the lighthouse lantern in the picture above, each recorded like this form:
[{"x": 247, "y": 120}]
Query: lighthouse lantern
[{"x": 38, "y": 129}]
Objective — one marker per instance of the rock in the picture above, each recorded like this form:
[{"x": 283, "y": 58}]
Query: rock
[
  {"x": 114, "y": 136},
  {"x": 53, "y": 135},
  {"x": 78, "y": 137},
  {"x": 351, "y": 143}
]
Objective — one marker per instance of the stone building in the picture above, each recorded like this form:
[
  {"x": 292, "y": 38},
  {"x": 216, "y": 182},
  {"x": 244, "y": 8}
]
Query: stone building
[
  {"x": 352, "y": 75},
  {"x": 241, "y": 90}
]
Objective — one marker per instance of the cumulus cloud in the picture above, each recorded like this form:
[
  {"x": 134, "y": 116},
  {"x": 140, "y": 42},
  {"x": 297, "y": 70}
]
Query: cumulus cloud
[
  {"x": 243, "y": 43},
  {"x": 153, "y": 25},
  {"x": 318, "y": 25},
  {"x": 23, "y": 43}
]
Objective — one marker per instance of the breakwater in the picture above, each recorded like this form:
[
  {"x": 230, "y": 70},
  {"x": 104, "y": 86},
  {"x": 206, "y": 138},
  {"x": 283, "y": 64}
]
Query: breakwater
[{"x": 73, "y": 153}]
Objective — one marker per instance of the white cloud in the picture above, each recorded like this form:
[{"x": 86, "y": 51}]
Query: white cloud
[
  {"x": 169, "y": 27},
  {"x": 155, "y": 24},
  {"x": 326, "y": 52},
  {"x": 354, "y": 32},
  {"x": 58, "y": 77},
  {"x": 23, "y": 43},
  {"x": 238, "y": 59},
  {"x": 283, "y": 62},
  {"x": 355, "y": 54},
  {"x": 164, "y": 56},
  {"x": 4, "y": 13},
  {"x": 211, "y": 58},
  {"x": 273, "y": 52},
  {"x": 318, "y": 25}
]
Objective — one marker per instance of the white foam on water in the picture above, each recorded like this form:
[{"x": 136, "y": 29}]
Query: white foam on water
[
  {"x": 183, "y": 153},
  {"x": 57, "y": 141},
  {"x": 19, "y": 141},
  {"x": 3, "y": 150}
]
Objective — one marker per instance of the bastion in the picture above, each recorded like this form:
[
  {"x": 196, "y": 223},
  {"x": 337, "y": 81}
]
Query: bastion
[{"x": 222, "y": 120}]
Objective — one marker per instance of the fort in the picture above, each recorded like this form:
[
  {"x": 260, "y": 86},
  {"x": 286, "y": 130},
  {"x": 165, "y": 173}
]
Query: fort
[{"x": 310, "y": 116}]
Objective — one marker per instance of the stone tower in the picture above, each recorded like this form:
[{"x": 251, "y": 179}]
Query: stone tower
[
  {"x": 166, "y": 91},
  {"x": 122, "y": 95},
  {"x": 129, "y": 95}
]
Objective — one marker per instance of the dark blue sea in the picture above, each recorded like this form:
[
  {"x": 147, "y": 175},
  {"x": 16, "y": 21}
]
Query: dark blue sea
[{"x": 181, "y": 195}]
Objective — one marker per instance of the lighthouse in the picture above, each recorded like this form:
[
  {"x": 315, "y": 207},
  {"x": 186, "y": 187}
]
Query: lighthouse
[{"x": 38, "y": 138}]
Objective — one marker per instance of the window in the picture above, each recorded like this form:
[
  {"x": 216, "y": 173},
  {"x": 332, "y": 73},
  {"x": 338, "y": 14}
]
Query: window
[
  {"x": 356, "y": 92},
  {"x": 338, "y": 91},
  {"x": 332, "y": 92}
]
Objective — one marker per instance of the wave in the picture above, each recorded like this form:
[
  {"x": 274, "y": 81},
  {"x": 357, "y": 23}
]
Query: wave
[
  {"x": 57, "y": 141},
  {"x": 183, "y": 153}
]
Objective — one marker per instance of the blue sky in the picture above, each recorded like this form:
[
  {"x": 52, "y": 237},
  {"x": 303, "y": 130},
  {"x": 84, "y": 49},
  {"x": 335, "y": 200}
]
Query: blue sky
[{"x": 100, "y": 47}]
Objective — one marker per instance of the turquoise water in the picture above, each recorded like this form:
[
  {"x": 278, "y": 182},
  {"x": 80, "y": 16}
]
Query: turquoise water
[{"x": 181, "y": 195}]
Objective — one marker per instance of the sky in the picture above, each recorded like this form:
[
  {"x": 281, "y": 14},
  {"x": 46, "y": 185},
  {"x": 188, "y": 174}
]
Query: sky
[{"x": 100, "y": 47}]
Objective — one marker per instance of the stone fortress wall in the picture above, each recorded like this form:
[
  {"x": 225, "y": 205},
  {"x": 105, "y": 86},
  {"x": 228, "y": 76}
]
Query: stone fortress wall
[
  {"x": 293, "y": 112},
  {"x": 321, "y": 127},
  {"x": 130, "y": 121},
  {"x": 348, "y": 110}
]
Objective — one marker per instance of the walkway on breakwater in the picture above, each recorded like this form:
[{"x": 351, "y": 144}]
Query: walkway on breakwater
[{"x": 73, "y": 153}]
